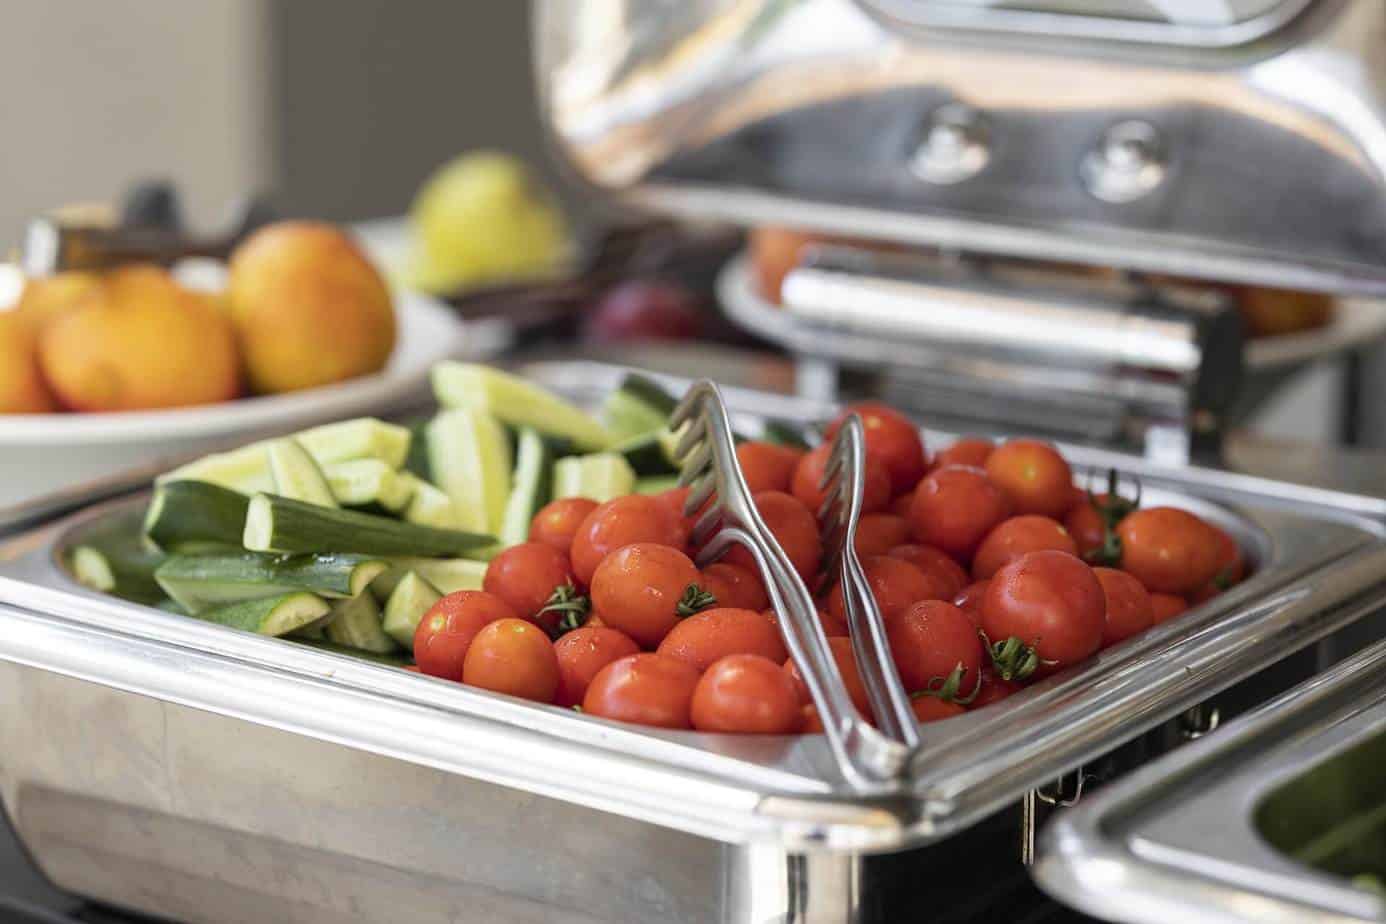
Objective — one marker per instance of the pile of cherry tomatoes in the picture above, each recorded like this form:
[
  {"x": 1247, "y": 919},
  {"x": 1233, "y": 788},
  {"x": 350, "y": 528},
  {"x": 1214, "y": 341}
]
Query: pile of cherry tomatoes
[{"x": 990, "y": 567}]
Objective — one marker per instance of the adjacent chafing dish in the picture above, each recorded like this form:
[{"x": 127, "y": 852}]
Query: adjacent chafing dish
[{"x": 167, "y": 765}]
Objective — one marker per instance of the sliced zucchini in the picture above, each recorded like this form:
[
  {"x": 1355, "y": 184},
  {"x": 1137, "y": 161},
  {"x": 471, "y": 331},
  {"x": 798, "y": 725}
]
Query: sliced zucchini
[
  {"x": 362, "y": 482},
  {"x": 360, "y": 438},
  {"x": 203, "y": 582},
  {"x": 117, "y": 561},
  {"x": 627, "y": 417},
  {"x": 515, "y": 401},
  {"x": 296, "y": 475},
  {"x": 183, "y": 513},
  {"x": 656, "y": 484},
  {"x": 393, "y": 659},
  {"x": 443, "y": 574},
  {"x": 245, "y": 470},
  {"x": 278, "y": 524},
  {"x": 785, "y": 433},
  {"x": 650, "y": 393},
  {"x": 647, "y": 453},
  {"x": 469, "y": 455},
  {"x": 277, "y": 615},
  {"x": 314, "y": 630},
  {"x": 529, "y": 488},
  {"x": 411, "y": 599},
  {"x": 430, "y": 506},
  {"x": 356, "y": 623},
  {"x": 171, "y": 606},
  {"x": 416, "y": 462},
  {"x": 600, "y": 476}
]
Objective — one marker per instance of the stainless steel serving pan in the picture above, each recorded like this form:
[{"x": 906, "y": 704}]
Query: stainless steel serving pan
[{"x": 174, "y": 766}]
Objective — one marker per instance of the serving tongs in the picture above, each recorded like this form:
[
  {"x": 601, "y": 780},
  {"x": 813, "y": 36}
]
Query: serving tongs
[
  {"x": 843, "y": 482},
  {"x": 720, "y": 499}
]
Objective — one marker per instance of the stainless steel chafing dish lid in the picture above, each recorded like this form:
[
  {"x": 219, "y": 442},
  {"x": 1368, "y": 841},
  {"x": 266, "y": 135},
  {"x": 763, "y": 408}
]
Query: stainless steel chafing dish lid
[
  {"x": 1240, "y": 140},
  {"x": 1280, "y": 816}
]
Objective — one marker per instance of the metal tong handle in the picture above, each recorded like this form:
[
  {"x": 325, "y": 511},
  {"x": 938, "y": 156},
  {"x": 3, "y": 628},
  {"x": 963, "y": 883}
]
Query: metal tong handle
[
  {"x": 708, "y": 460},
  {"x": 844, "y": 479}
]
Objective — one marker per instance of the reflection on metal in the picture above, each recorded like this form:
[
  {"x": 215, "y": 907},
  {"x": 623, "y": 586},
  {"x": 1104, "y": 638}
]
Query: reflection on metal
[
  {"x": 1128, "y": 162},
  {"x": 954, "y": 146}
]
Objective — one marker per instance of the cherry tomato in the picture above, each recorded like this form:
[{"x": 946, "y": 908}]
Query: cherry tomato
[
  {"x": 969, "y": 600},
  {"x": 832, "y": 625},
  {"x": 808, "y": 479},
  {"x": 811, "y": 723},
  {"x": 1164, "y": 607},
  {"x": 515, "y": 657},
  {"x": 1016, "y": 536},
  {"x": 581, "y": 654},
  {"x": 747, "y": 694},
  {"x": 1169, "y": 550},
  {"x": 929, "y": 641},
  {"x": 846, "y": 666},
  {"x": 767, "y": 466},
  {"x": 557, "y": 521},
  {"x": 932, "y": 709},
  {"x": 734, "y": 586},
  {"x": 955, "y": 507},
  {"x": 446, "y": 631},
  {"x": 891, "y": 437},
  {"x": 646, "y": 689},
  {"x": 640, "y": 588},
  {"x": 793, "y": 526},
  {"x": 1034, "y": 476},
  {"x": 618, "y": 522},
  {"x": 1231, "y": 568},
  {"x": 1050, "y": 601},
  {"x": 993, "y": 689},
  {"x": 1129, "y": 611},
  {"x": 673, "y": 500},
  {"x": 712, "y": 634},
  {"x": 900, "y": 506},
  {"x": 895, "y": 584},
  {"x": 525, "y": 576},
  {"x": 1089, "y": 531},
  {"x": 969, "y": 450},
  {"x": 878, "y": 533},
  {"x": 936, "y": 566}
]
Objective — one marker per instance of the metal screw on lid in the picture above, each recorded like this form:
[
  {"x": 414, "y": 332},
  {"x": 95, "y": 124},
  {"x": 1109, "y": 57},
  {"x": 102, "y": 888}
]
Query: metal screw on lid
[
  {"x": 955, "y": 146},
  {"x": 1128, "y": 162}
]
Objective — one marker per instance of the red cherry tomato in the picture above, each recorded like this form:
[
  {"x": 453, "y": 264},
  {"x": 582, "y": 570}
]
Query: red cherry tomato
[
  {"x": 1231, "y": 567},
  {"x": 1016, "y": 536},
  {"x": 515, "y": 657},
  {"x": 525, "y": 576},
  {"x": 1034, "y": 476},
  {"x": 878, "y": 533},
  {"x": 932, "y": 709},
  {"x": 955, "y": 507},
  {"x": 936, "y": 566},
  {"x": 645, "y": 689},
  {"x": 811, "y": 723},
  {"x": 832, "y": 625},
  {"x": 1164, "y": 607},
  {"x": 618, "y": 522},
  {"x": 746, "y": 694},
  {"x": 1050, "y": 601},
  {"x": 581, "y": 654},
  {"x": 1169, "y": 550},
  {"x": 969, "y": 450},
  {"x": 846, "y": 666},
  {"x": 712, "y": 634},
  {"x": 639, "y": 588},
  {"x": 895, "y": 584},
  {"x": 673, "y": 500},
  {"x": 902, "y": 503},
  {"x": 969, "y": 600},
  {"x": 1087, "y": 528},
  {"x": 793, "y": 526},
  {"x": 808, "y": 477},
  {"x": 446, "y": 631},
  {"x": 1129, "y": 611},
  {"x": 891, "y": 437},
  {"x": 767, "y": 466},
  {"x": 557, "y": 521},
  {"x": 993, "y": 689},
  {"x": 929, "y": 641},
  {"x": 734, "y": 586}
]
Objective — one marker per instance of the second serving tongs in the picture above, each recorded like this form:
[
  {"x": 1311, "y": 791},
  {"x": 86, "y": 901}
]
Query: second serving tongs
[{"x": 727, "y": 516}]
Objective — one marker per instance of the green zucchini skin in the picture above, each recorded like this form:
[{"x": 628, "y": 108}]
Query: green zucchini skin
[
  {"x": 125, "y": 562},
  {"x": 649, "y": 392},
  {"x": 277, "y": 524},
  {"x": 203, "y": 582},
  {"x": 785, "y": 433},
  {"x": 274, "y": 616},
  {"x": 183, "y": 513}
]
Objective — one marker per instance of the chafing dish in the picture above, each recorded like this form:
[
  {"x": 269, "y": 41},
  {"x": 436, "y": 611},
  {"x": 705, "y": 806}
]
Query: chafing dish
[{"x": 169, "y": 766}]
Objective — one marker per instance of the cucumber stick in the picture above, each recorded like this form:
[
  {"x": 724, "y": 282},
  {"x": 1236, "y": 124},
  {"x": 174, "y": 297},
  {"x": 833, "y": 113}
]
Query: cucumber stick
[
  {"x": 529, "y": 489},
  {"x": 656, "y": 484},
  {"x": 443, "y": 574},
  {"x": 202, "y": 582},
  {"x": 405, "y": 609},
  {"x": 245, "y": 470},
  {"x": 277, "y": 615},
  {"x": 600, "y": 477},
  {"x": 647, "y": 454},
  {"x": 187, "y": 512},
  {"x": 278, "y": 524},
  {"x": 126, "y": 573},
  {"x": 358, "y": 482},
  {"x": 516, "y": 402},
  {"x": 656, "y": 398},
  {"x": 469, "y": 455},
  {"x": 626, "y": 416},
  {"x": 429, "y": 506},
  {"x": 360, "y": 438},
  {"x": 296, "y": 475},
  {"x": 356, "y": 623}
]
